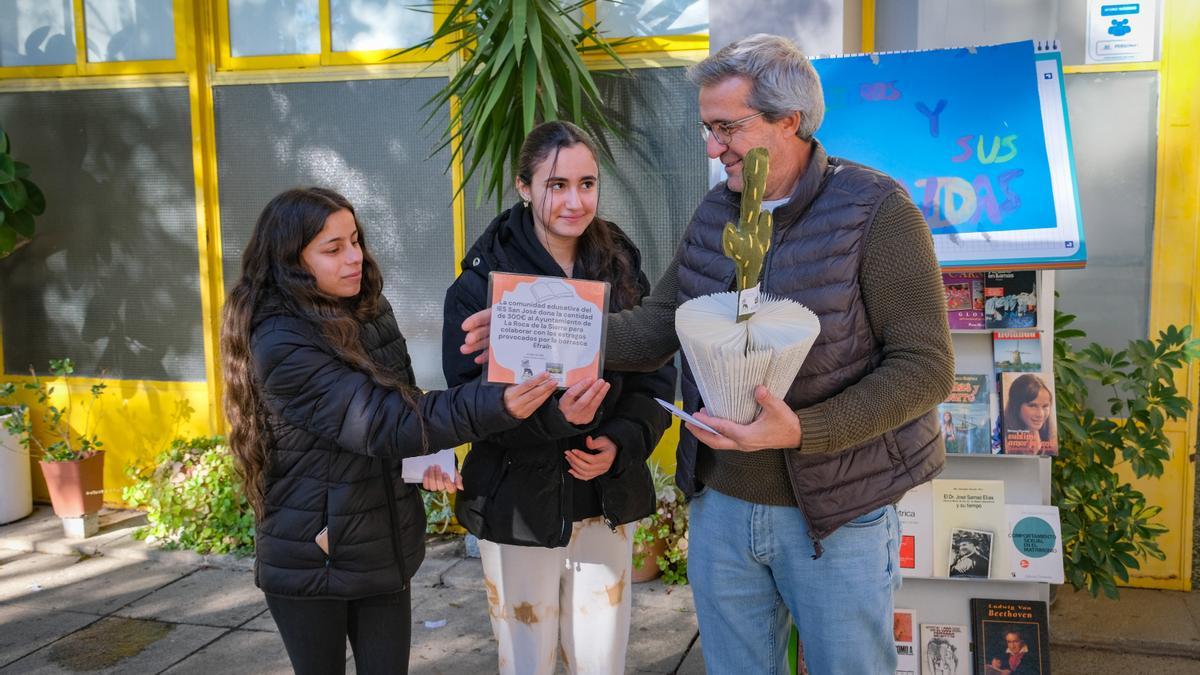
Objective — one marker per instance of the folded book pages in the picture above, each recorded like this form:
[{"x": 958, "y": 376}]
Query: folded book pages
[{"x": 730, "y": 358}]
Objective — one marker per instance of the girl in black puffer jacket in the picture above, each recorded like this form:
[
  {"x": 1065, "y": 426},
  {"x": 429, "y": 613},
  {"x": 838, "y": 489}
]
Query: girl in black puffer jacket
[
  {"x": 322, "y": 407},
  {"x": 553, "y": 501}
]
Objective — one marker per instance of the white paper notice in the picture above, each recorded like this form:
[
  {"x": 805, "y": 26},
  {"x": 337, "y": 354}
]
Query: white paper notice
[
  {"x": 546, "y": 324},
  {"x": 413, "y": 468},
  {"x": 685, "y": 417}
]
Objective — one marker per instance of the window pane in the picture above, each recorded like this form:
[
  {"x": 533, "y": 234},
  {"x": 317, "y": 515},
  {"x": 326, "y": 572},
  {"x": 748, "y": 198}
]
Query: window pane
[
  {"x": 639, "y": 18},
  {"x": 270, "y": 27},
  {"x": 129, "y": 30},
  {"x": 36, "y": 33},
  {"x": 363, "y": 25}
]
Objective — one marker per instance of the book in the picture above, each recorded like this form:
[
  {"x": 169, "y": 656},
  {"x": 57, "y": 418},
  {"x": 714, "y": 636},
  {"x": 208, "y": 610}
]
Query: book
[
  {"x": 1017, "y": 351},
  {"x": 546, "y": 324},
  {"x": 964, "y": 299},
  {"x": 1034, "y": 543},
  {"x": 966, "y": 416},
  {"x": 916, "y": 531},
  {"x": 1010, "y": 299},
  {"x": 945, "y": 649},
  {"x": 1012, "y": 637},
  {"x": 968, "y": 515},
  {"x": 1028, "y": 415},
  {"x": 904, "y": 632}
]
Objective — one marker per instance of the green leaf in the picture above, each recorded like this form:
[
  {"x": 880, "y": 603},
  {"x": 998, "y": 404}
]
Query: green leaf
[
  {"x": 8, "y": 168},
  {"x": 529, "y": 90},
  {"x": 22, "y": 222},
  {"x": 13, "y": 194},
  {"x": 36, "y": 204},
  {"x": 8, "y": 239}
]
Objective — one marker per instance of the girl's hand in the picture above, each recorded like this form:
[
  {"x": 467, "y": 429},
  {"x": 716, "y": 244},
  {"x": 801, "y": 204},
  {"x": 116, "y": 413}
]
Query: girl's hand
[
  {"x": 579, "y": 403},
  {"x": 588, "y": 465},
  {"x": 436, "y": 480},
  {"x": 520, "y": 400}
]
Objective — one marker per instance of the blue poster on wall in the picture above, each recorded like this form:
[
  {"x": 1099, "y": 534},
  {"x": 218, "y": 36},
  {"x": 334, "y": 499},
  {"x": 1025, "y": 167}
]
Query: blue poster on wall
[{"x": 980, "y": 139}]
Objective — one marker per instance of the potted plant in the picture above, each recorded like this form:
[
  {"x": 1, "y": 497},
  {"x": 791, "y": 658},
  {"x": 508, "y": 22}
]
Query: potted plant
[
  {"x": 1106, "y": 522},
  {"x": 16, "y": 489},
  {"x": 661, "y": 539},
  {"x": 73, "y": 462},
  {"x": 20, "y": 201}
]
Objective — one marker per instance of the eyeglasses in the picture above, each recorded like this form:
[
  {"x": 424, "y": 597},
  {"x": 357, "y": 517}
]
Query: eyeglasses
[{"x": 723, "y": 131}]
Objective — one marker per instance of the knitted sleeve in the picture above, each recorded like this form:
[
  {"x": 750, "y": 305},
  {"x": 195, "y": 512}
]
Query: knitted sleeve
[
  {"x": 901, "y": 287},
  {"x": 643, "y": 339}
]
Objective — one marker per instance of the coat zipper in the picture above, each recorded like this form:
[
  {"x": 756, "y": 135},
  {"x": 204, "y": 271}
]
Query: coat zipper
[{"x": 389, "y": 491}]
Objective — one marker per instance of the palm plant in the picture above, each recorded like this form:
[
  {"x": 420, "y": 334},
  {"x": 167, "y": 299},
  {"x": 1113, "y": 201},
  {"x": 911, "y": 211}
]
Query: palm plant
[{"x": 522, "y": 64}]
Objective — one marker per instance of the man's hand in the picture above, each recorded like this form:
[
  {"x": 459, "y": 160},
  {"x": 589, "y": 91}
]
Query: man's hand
[
  {"x": 775, "y": 427},
  {"x": 579, "y": 403},
  {"x": 436, "y": 480},
  {"x": 477, "y": 328},
  {"x": 588, "y": 465}
]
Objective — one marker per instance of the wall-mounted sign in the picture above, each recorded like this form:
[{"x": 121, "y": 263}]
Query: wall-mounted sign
[{"x": 1121, "y": 31}]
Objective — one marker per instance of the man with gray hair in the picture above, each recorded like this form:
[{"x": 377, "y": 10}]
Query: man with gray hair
[{"x": 793, "y": 514}]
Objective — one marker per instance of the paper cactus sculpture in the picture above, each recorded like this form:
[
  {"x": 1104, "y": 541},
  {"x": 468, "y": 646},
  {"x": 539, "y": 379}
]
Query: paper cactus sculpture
[{"x": 747, "y": 242}]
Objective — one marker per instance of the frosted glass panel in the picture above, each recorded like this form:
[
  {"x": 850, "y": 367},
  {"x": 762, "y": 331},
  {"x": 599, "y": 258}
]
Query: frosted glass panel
[
  {"x": 640, "y": 18},
  {"x": 269, "y": 27},
  {"x": 129, "y": 30},
  {"x": 36, "y": 33},
  {"x": 1113, "y": 121},
  {"x": 362, "y": 25}
]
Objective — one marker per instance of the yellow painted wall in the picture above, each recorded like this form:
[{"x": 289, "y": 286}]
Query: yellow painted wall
[{"x": 1175, "y": 281}]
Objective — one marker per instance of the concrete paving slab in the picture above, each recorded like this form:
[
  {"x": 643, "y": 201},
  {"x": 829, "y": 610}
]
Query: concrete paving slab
[
  {"x": 693, "y": 663},
  {"x": 27, "y": 629},
  {"x": 463, "y": 645},
  {"x": 657, "y": 594},
  {"x": 431, "y": 571},
  {"x": 1077, "y": 661},
  {"x": 1147, "y": 621},
  {"x": 208, "y": 597},
  {"x": 238, "y": 651},
  {"x": 117, "y": 645},
  {"x": 262, "y": 622},
  {"x": 41, "y": 531},
  {"x": 90, "y": 585},
  {"x": 465, "y": 573},
  {"x": 659, "y": 638}
]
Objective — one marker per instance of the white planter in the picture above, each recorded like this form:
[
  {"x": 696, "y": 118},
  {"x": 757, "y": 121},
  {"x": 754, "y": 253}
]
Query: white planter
[{"x": 16, "y": 489}]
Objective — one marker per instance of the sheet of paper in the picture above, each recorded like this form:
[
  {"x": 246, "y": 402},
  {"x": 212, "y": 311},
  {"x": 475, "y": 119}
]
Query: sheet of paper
[
  {"x": 685, "y": 417},
  {"x": 413, "y": 468}
]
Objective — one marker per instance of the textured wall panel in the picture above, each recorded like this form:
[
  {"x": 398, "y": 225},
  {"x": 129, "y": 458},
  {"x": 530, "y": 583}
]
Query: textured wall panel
[
  {"x": 112, "y": 277},
  {"x": 365, "y": 140}
]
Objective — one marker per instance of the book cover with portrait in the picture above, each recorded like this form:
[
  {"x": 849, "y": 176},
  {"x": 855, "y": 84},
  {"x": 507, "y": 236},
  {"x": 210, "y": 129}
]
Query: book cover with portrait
[
  {"x": 904, "y": 633},
  {"x": 1010, "y": 299},
  {"x": 1028, "y": 415},
  {"x": 945, "y": 649},
  {"x": 967, "y": 516},
  {"x": 1012, "y": 637},
  {"x": 966, "y": 416},
  {"x": 964, "y": 299}
]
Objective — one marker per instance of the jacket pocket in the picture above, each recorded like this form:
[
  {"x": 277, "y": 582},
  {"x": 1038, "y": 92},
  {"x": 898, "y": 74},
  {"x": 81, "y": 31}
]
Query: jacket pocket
[{"x": 527, "y": 506}]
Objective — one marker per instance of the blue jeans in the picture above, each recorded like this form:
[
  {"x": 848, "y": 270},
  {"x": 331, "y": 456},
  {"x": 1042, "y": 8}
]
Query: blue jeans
[{"x": 751, "y": 569}]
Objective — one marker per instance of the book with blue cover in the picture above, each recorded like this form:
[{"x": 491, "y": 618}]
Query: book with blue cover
[{"x": 966, "y": 416}]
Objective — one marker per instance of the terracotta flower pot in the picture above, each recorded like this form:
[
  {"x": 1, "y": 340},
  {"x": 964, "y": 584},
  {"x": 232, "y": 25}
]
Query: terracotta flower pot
[
  {"x": 648, "y": 570},
  {"x": 76, "y": 487}
]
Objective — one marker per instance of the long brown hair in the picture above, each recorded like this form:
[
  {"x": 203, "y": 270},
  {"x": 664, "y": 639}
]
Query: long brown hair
[
  {"x": 598, "y": 255},
  {"x": 272, "y": 273}
]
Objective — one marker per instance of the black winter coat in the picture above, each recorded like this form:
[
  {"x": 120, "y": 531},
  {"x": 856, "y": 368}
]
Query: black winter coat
[
  {"x": 337, "y": 441},
  {"x": 517, "y": 486}
]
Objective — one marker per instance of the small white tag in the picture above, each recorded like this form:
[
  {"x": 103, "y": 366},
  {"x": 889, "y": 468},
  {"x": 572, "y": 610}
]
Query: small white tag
[
  {"x": 747, "y": 303},
  {"x": 685, "y": 417}
]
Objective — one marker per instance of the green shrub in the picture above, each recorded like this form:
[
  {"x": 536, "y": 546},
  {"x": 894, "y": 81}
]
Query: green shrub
[
  {"x": 193, "y": 498},
  {"x": 669, "y": 522}
]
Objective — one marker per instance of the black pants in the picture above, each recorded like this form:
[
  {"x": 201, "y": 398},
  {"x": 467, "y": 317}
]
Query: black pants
[{"x": 314, "y": 632}]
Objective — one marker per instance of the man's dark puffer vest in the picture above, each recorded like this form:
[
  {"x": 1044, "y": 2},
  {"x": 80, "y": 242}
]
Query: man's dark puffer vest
[
  {"x": 517, "y": 486},
  {"x": 814, "y": 259},
  {"x": 337, "y": 441}
]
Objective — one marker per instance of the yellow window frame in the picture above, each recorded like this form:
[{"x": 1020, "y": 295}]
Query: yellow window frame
[{"x": 82, "y": 67}]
